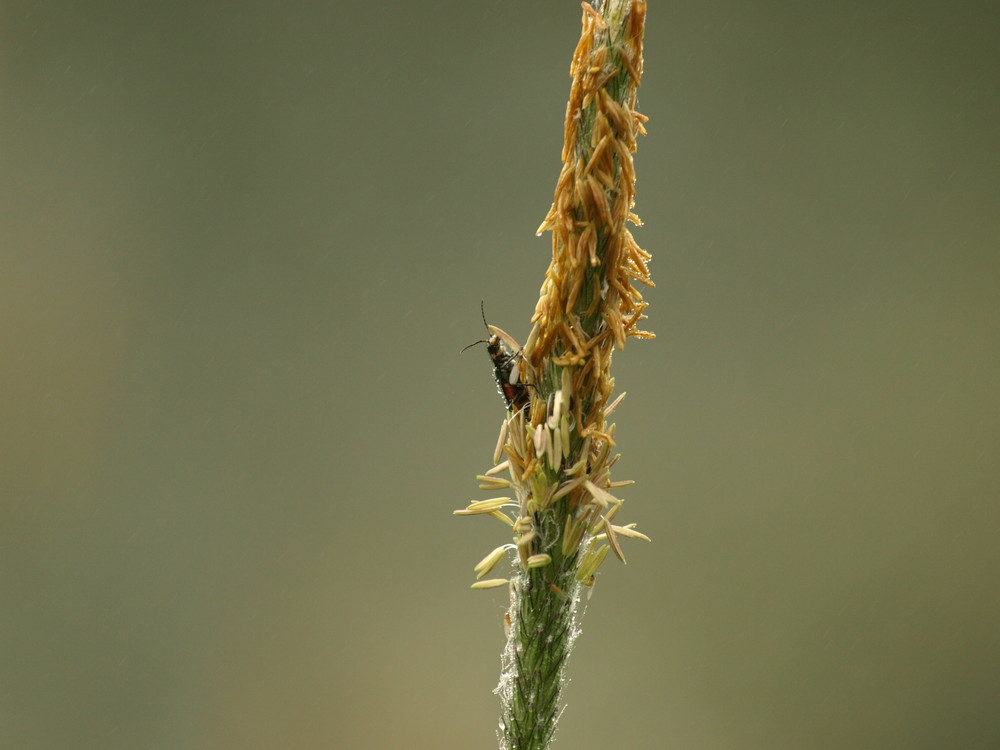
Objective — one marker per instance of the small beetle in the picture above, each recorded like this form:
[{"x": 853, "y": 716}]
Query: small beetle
[{"x": 506, "y": 366}]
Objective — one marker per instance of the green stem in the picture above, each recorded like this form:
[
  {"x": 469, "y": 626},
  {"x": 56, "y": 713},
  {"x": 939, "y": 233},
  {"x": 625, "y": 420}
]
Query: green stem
[
  {"x": 542, "y": 632},
  {"x": 544, "y": 599}
]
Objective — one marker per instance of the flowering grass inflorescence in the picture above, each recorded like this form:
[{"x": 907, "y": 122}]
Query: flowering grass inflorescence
[{"x": 556, "y": 452}]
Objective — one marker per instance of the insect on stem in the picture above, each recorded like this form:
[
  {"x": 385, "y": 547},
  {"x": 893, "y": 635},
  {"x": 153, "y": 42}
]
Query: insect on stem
[{"x": 508, "y": 366}]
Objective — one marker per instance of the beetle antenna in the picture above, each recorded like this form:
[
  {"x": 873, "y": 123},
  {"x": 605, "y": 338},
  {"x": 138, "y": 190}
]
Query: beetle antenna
[
  {"x": 482, "y": 310},
  {"x": 481, "y": 341}
]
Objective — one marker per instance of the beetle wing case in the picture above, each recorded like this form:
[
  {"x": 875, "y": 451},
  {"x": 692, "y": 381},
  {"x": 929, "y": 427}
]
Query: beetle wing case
[{"x": 509, "y": 341}]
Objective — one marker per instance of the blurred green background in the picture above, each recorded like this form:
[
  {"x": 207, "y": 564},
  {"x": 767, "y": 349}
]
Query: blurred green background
[{"x": 242, "y": 246}]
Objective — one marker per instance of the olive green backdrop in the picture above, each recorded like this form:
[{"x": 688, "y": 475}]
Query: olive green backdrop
[{"x": 242, "y": 245}]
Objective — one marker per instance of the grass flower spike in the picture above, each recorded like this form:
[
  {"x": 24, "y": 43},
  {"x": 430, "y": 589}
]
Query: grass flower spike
[{"x": 556, "y": 444}]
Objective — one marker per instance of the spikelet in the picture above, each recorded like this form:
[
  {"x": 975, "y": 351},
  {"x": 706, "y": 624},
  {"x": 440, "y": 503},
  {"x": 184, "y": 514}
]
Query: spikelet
[{"x": 556, "y": 452}]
